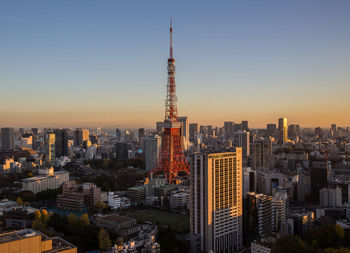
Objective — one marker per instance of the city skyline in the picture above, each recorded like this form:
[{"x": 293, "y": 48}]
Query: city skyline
[{"x": 76, "y": 66}]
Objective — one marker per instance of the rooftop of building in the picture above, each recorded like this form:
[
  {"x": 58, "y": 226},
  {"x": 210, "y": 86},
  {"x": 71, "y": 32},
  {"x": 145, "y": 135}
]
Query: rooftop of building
[{"x": 20, "y": 234}]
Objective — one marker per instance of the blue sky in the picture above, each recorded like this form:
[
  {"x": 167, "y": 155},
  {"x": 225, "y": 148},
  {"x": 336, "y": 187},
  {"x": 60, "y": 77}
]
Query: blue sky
[{"x": 86, "y": 63}]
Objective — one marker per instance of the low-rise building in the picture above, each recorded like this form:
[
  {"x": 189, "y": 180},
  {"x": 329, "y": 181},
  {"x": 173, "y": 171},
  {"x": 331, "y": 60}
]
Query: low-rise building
[
  {"x": 137, "y": 194},
  {"x": 29, "y": 240},
  {"x": 114, "y": 200},
  {"x": 47, "y": 180},
  {"x": 120, "y": 225},
  {"x": 179, "y": 200}
]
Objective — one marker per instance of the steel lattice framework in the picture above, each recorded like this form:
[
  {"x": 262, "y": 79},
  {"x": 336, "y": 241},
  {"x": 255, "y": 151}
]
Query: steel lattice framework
[{"x": 171, "y": 159}]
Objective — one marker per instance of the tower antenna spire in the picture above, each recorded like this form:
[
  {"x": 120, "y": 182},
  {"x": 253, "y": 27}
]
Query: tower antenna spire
[{"x": 171, "y": 38}]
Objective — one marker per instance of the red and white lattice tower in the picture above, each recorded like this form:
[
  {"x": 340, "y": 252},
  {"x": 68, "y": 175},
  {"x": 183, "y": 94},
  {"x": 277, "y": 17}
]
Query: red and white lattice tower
[{"x": 171, "y": 159}]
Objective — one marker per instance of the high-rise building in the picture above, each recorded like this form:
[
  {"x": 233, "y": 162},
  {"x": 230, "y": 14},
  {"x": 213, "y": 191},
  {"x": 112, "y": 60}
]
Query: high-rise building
[
  {"x": 242, "y": 139},
  {"x": 216, "y": 200},
  {"x": 61, "y": 146},
  {"x": 228, "y": 127},
  {"x": 118, "y": 135},
  {"x": 152, "y": 151},
  {"x": 293, "y": 131},
  {"x": 282, "y": 131},
  {"x": 50, "y": 143},
  {"x": 269, "y": 181},
  {"x": 319, "y": 179},
  {"x": 261, "y": 153},
  {"x": 184, "y": 131},
  {"x": 80, "y": 135},
  {"x": 259, "y": 216},
  {"x": 318, "y": 132},
  {"x": 141, "y": 133},
  {"x": 271, "y": 130},
  {"x": 331, "y": 197},
  {"x": 245, "y": 126},
  {"x": 7, "y": 138},
  {"x": 159, "y": 127},
  {"x": 193, "y": 131},
  {"x": 249, "y": 180},
  {"x": 333, "y": 130}
]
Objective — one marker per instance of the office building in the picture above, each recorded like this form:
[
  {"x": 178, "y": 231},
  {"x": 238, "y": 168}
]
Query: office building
[
  {"x": 249, "y": 180},
  {"x": 80, "y": 136},
  {"x": 92, "y": 194},
  {"x": 244, "y": 125},
  {"x": 141, "y": 134},
  {"x": 118, "y": 135},
  {"x": 261, "y": 153},
  {"x": 159, "y": 128},
  {"x": 61, "y": 145},
  {"x": 7, "y": 138},
  {"x": 331, "y": 197},
  {"x": 282, "y": 131},
  {"x": 228, "y": 129},
  {"x": 319, "y": 179},
  {"x": 293, "y": 131},
  {"x": 242, "y": 139},
  {"x": 259, "y": 216},
  {"x": 50, "y": 144},
  {"x": 333, "y": 130},
  {"x": 184, "y": 132},
  {"x": 279, "y": 202},
  {"x": 152, "y": 150},
  {"x": 269, "y": 181},
  {"x": 114, "y": 200},
  {"x": 216, "y": 201},
  {"x": 271, "y": 130},
  {"x": 194, "y": 131},
  {"x": 29, "y": 240}
]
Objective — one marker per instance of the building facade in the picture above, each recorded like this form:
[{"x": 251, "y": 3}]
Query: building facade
[{"x": 216, "y": 201}]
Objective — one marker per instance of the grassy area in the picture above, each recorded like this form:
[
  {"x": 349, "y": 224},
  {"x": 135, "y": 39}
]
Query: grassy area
[{"x": 176, "y": 222}]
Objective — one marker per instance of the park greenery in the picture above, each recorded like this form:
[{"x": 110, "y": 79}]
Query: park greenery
[
  {"x": 324, "y": 239},
  {"x": 78, "y": 231}
]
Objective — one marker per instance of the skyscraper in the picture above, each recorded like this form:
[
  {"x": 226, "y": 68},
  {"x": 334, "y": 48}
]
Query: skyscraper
[
  {"x": 216, "y": 200},
  {"x": 141, "y": 133},
  {"x": 193, "y": 131},
  {"x": 7, "y": 138},
  {"x": 61, "y": 146},
  {"x": 242, "y": 139},
  {"x": 282, "y": 131},
  {"x": 184, "y": 131},
  {"x": 333, "y": 130},
  {"x": 259, "y": 216},
  {"x": 50, "y": 149},
  {"x": 80, "y": 135},
  {"x": 261, "y": 152},
  {"x": 152, "y": 150},
  {"x": 271, "y": 130},
  {"x": 118, "y": 135}
]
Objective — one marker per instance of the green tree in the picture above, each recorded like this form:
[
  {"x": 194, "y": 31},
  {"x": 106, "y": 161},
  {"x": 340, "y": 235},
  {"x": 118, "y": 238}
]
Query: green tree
[
  {"x": 289, "y": 244},
  {"x": 104, "y": 240},
  {"x": 84, "y": 219},
  {"x": 19, "y": 201},
  {"x": 341, "y": 250},
  {"x": 37, "y": 215}
]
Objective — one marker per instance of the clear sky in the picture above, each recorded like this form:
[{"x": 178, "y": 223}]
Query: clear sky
[{"x": 103, "y": 63}]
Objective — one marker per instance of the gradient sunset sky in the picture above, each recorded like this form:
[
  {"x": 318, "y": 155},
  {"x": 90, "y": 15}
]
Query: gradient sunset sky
[{"x": 103, "y": 63}]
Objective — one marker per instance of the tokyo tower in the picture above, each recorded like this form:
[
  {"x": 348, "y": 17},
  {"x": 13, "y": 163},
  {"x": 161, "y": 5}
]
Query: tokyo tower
[{"x": 171, "y": 159}]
